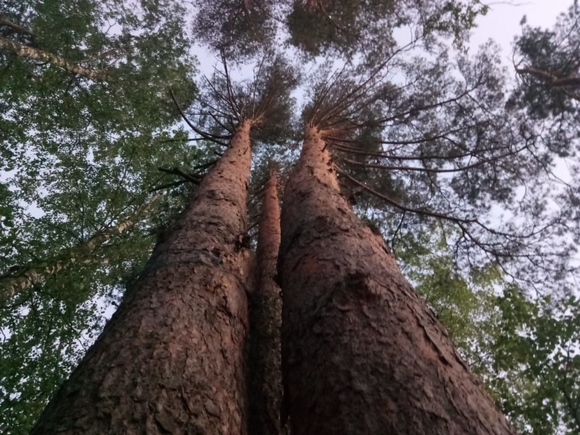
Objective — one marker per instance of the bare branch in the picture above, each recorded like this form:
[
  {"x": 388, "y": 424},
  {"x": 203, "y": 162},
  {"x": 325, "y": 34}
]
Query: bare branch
[
  {"x": 177, "y": 171},
  {"x": 433, "y": 170},
  {"x": 400, "y": 206},
  {"x": 193, "y": 127}
]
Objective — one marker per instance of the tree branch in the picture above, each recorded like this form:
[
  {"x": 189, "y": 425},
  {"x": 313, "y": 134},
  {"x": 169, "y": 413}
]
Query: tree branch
[
  {"x": 177, "y": 171},
  {"x": 193, "y": 127},
  {"x": 552, "y": 79},
  {"x": 432, "y": 170},
  {"x": 27, "y": 52},
  {"x": 15, "y": 27},
  {"x": 400, "y": 206}
]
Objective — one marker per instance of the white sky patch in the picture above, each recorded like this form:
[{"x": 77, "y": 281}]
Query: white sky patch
[{"x": 502, "y": 22}]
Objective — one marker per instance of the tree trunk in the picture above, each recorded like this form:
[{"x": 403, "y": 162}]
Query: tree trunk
[
  {"x": 362, "y": 353},
  {"x": 171, "y": 360},
  {"x": 25, "y": 51},
  {"x": 31, "y": 274},
  {"x": 265, "y": 321}
]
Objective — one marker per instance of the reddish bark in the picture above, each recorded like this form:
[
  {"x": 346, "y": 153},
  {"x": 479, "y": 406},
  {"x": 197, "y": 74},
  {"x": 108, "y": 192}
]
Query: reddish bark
[
  {"x": 265, "y": 321},
  {"x": 362, "y": 353},
  {"x": 171, "y": 360}
]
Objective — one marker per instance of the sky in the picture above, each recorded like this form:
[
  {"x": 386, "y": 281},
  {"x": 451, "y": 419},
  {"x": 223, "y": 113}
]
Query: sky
[{"x": 502, "y": 22}]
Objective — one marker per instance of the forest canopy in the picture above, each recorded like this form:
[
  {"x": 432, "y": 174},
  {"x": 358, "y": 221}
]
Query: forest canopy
[{"x": 466, "y": 167}]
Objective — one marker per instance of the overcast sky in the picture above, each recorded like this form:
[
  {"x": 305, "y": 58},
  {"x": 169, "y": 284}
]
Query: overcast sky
[{"x": 502, "y": 22}]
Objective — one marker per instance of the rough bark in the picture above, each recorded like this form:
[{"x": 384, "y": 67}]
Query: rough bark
[
  {"x": 171, "y": 359},
  {"x": 31, "y": 274},
  {"x": 265, "y": 365},
  {"x": 25, "y": 51},
  {"x": 362, "y": 353}
]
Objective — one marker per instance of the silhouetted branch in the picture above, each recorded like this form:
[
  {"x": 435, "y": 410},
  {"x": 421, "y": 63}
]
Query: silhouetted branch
[
  {"x": 207, "y": 136},
  {"x": 177, "y": 171},
  {"x": 400, "y": 206},
  {"x": 386, "y": 155},
  {"x": 168, "y": 185},
  {"x": 433, "y": 170}
]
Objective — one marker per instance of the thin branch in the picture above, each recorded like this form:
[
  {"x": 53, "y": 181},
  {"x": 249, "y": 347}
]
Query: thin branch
[
  {"x": 177, "y": 171},
  {"x": 193, "y": 127},
  {"x": 221, "y": 124},
  {"x": 385, "y": 155},
  {"x": 432, "y": 170},
  {"x": 402, "y": 142},
  {"x": 402, "y": 207},
  {"x": 15, "y": 27},
  {"x": 232, "y": 100},
  {"x": 168, "y": 185},
  {"x": 553, "y": 80},
  {"x": 205, "y": 165}
]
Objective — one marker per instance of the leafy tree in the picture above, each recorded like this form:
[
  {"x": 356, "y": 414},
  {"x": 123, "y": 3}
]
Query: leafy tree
[
  {"x": 348, "y": 27},
  {"x": 463, "y": 302},
  {"x": 523, "y": 348},
  {"x": 423, "y": 144},
  {"x": 547, "y": 91},
  {"x": 84, "y": 125},
  {"x": 548, "y": 66},
  {"x": 238, "y": 28},
  {"x": 47, "y": 105}
]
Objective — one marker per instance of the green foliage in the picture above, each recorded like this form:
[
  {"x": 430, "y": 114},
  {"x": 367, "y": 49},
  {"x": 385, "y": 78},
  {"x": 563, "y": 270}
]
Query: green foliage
[
  {"x": 546, "y": 56},
  {"x": 42, "y": 343},
  {"x": 536, "y": 362},
  {"x": 82, "y": 201},
  {"x": 525, "y": 349},
  {"x": 454, "y": 19},
  {"x": 366, "y": 27},
  {"x": 236, "y": 28},
  {"x": 145, "y": 57},
  {"x": 83, "y": 154},
  {"x": 319, "y": 26},
  {"x": 462, "y": 301},
  {"x": 77, "y": 212}
]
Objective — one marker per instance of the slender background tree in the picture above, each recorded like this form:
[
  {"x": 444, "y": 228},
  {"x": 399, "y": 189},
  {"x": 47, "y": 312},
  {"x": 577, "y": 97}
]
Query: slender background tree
[{"x": 265, "y": 376}]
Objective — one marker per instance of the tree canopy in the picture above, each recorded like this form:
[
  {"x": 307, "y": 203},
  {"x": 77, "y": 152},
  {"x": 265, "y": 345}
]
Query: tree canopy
[
  {"x": 86, "y": 120},
  {"x": 105, "y": 130}
]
